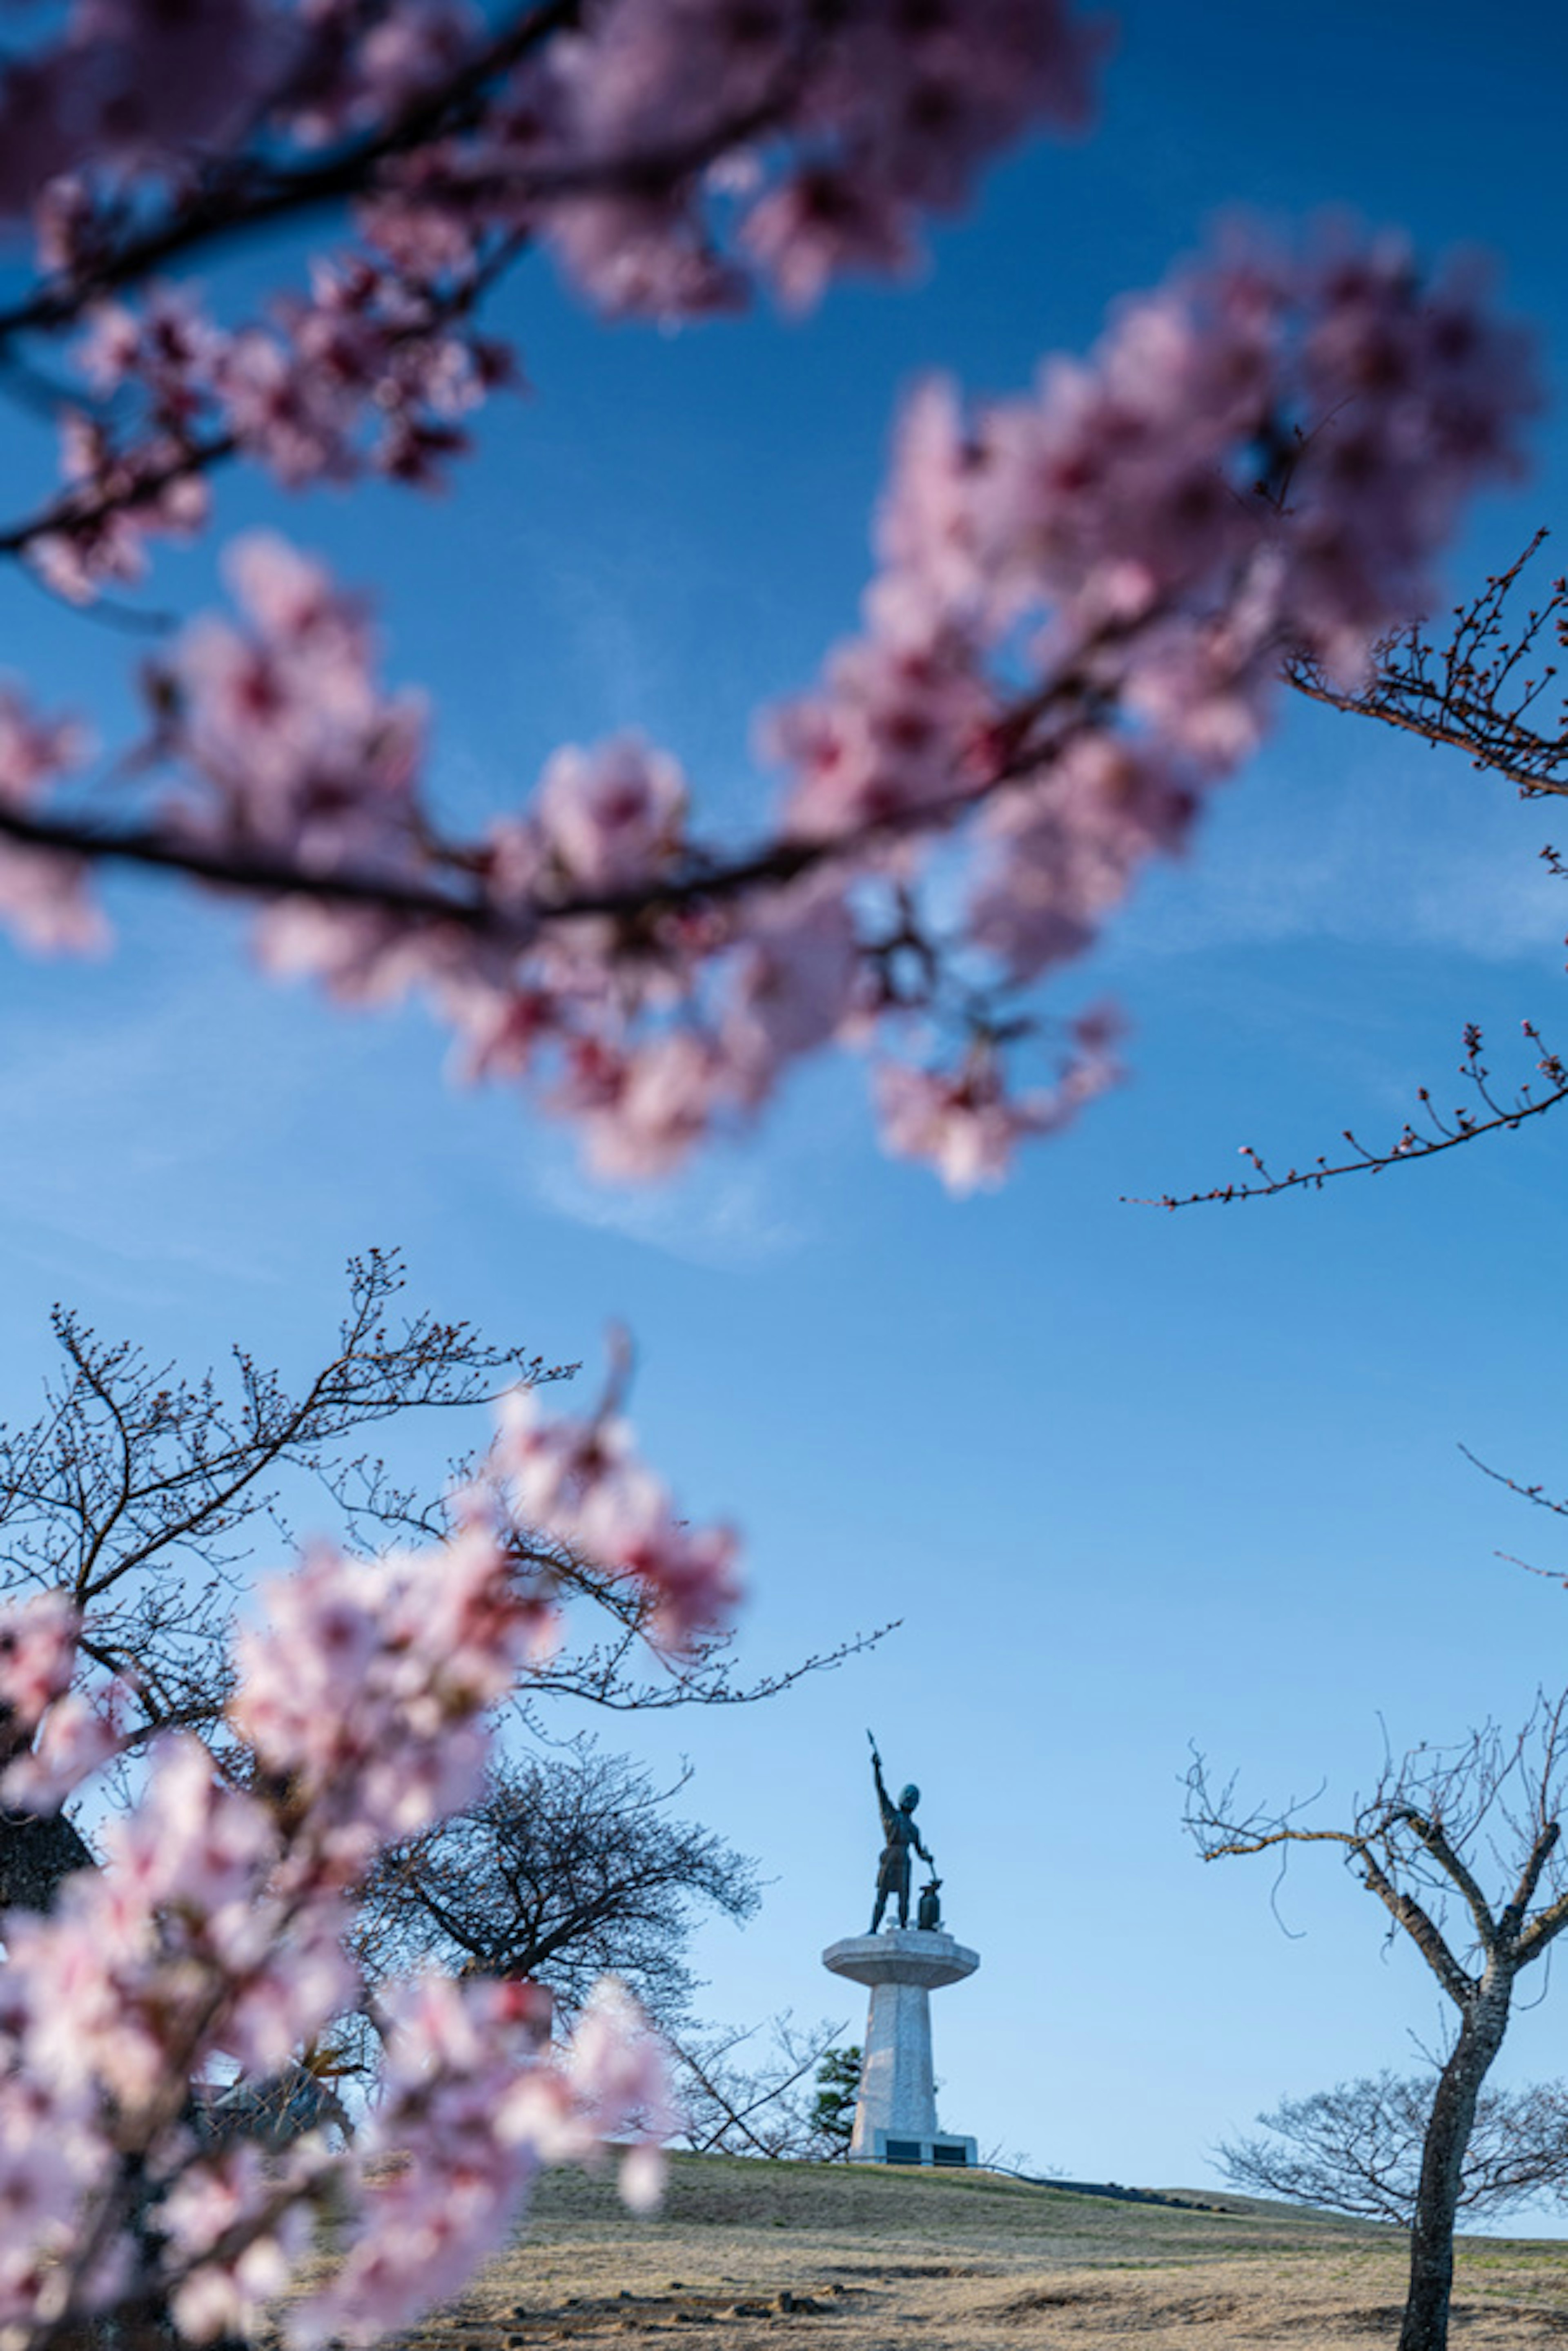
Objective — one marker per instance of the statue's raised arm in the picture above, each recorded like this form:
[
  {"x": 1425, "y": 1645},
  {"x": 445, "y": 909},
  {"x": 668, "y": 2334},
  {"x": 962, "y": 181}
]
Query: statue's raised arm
[
  {"x": 885, "y": 1804},
  {"x": 900, "y": 1838}
]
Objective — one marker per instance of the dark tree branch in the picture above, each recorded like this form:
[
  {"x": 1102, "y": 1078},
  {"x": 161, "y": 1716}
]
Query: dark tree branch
[
  {"x": 1435, "y": 1135},
  {"x": 754, "y": 2105},
  {"x": 1430, "y": 1833},
  {"x": 1407, "y": 1912},
  {"x": 1479, "y": 690},
  {"x": 245, "y": 193}
]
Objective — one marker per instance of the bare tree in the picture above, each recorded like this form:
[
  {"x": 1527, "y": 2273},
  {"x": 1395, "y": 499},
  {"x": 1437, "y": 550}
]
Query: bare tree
[
  {"x": 1357, "y": 2148},
  {"x": 1434, "y": 1824},
  {"x": 750, "y": 2090},
  {"x": 144, "y": 1497},
  {"x": 569, "y": 1868}
]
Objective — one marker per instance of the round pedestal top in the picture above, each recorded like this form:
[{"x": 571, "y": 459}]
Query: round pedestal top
[{"x": 902, "y": 1955}]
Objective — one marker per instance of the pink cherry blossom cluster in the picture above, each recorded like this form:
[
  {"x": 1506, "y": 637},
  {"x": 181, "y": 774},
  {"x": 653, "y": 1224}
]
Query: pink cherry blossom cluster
[
  {"x": 128, "y": 83},
  {"x": 1083, "y": 602},
  {"x": 1083, "y": 595},
  {"x": 44, "y": 893},
  {"x": 471, "y": 2109},
  {"x": 37, "y": 1656},
  {"x": 1261, "y": 459},
  {"x": 769, "y": 136},
  {"x": 667, "y": 150},
  {"x": 425, "y": 1650},
  {"x": 371, "y": 372},
  {"x": 214, "y": 1935},
  {"x": 597, "y": 126},
  {"x": 118, "y": 497},
  {"x": 291, "y": 745},
  {"x": 51, "y": 1736},
  {"x": 580, "y": 1483},
  {"x": 1264, "y": 457}
]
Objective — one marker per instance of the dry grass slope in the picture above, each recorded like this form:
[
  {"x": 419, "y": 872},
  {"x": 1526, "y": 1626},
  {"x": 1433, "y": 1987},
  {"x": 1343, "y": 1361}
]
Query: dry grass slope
[{"x": 806, "y": 2257}]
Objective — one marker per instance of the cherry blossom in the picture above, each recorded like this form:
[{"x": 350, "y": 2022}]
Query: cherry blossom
[
  {"x": 667, "y": 150},
  {"x": 365, "y": 1683},
  {"x": 37, "y": 1656},
  {"x": 214, "y": 1933},
  {"x": 967, "y": 1125},
  {"x": 292, "y": 743},
  {"x": 79, "y": 1735},
  {"x": 44, "y": 893},
  {"x": 611, "y": 815},
  {"x": 472, "y": 2105},
  {"x": 581, "y": 1482},
  {"x": 900, "y": 109},
  {"x": 1084, "y": 598},
  {"x": 230, "y": 2195},
  {"x": 1082, "y": 595}
]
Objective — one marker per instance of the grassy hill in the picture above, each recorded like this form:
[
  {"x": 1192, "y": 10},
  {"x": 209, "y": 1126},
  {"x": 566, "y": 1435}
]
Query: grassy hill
[
  {"x": 872, "y": 2259},
  {"x": 877, "y": 2208}
]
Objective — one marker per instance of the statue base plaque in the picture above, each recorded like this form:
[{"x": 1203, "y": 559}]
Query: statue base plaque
[{"x": 895, "y": 2117}]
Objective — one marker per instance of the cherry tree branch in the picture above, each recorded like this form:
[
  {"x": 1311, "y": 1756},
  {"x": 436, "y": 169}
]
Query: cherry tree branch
[
  {"x": 1435, "y": 1135},
  {"x": 1480, "y": 689},
  {"x": 653, "y": 989},
  {"x": 1454, "y": 1867},
  {"x": 246, "y": 193},
  {"x": 707, "y": 879}
]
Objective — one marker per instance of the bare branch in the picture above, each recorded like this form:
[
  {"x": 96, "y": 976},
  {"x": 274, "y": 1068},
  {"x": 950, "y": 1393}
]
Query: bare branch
[
  {"x": 1414, "y": 1843},
  {"x": 1430, "y": 1135},
  {"x": 754, "y": 2105},
  {"x": 1431, "y": 1835},
  {"x": 1481, "y": 689},
  {"x": 1422, "y": 1929}
]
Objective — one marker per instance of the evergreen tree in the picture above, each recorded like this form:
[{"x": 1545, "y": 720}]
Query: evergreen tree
[{"x": 838, "y": 2091}]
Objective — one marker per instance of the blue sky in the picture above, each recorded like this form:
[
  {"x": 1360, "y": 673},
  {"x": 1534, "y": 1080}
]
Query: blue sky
[{"x": 1129, "y": 1481}]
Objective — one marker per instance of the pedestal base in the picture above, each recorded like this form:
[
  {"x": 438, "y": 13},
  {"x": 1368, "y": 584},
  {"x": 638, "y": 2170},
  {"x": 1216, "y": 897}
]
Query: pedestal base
[
  {"x": 895, "y": 2117},
  {"x": 949, "y": 2153}
]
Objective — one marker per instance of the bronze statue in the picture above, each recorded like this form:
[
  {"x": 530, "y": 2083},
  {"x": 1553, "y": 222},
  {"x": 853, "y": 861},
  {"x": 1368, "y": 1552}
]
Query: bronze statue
[
  {"x": 901, "y": 1837},
  {"x": 928, "y": 1912}
]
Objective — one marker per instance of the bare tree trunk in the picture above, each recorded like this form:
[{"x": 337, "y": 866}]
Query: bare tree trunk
[
  {"x": 37, "y": 1853},
  {"x": 1482, "y": 2026}
]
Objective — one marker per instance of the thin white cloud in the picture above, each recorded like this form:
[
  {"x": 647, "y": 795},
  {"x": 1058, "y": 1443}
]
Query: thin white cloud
[
  {"x": 124, "y": 1096},
  {"x": 726, "y": 1214},
  {"x": 1400, "y": 851}
]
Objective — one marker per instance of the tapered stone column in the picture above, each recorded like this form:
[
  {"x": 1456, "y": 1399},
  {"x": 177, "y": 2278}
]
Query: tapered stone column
[{"x": 896, "y": 2119}]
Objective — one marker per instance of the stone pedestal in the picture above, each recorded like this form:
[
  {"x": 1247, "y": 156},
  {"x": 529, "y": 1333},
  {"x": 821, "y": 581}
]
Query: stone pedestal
[{"x": 896, "y": 2120}]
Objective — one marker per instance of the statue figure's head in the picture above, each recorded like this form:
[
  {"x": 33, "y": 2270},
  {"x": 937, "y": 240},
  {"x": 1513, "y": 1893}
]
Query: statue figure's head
[{"x": 909, "y": 1799}]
